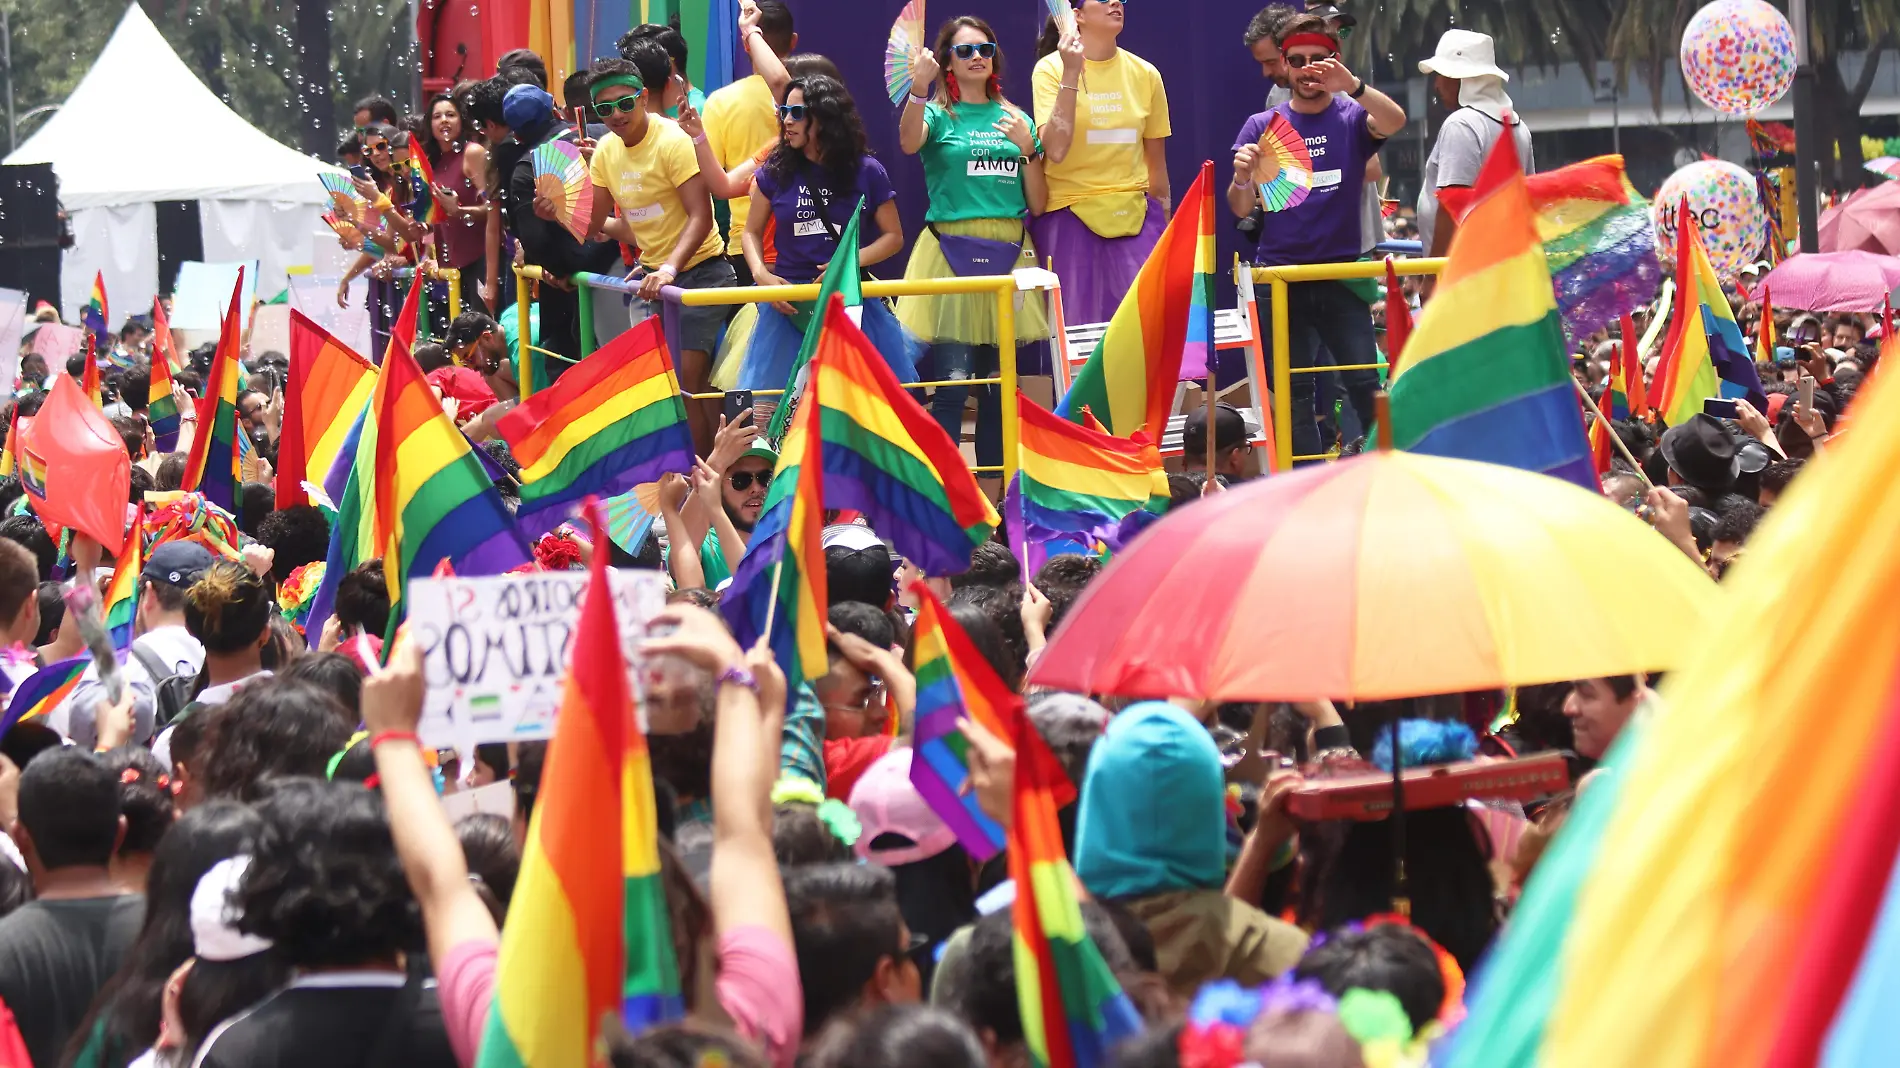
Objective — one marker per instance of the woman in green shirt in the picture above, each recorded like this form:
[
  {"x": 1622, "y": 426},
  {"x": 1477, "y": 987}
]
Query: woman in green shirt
[{"x": 983, "y": 173}]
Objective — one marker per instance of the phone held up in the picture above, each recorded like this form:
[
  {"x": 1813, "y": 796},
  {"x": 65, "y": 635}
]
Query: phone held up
[
  {"x": 738, "y": 406},
  {"x": 1720, "y": 407}
]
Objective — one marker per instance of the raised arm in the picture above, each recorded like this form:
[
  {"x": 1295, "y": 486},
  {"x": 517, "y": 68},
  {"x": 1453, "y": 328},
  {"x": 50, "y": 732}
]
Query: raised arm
[
  {"x": 911, "y": 128},
  {"x": 1058, "y": 132}
]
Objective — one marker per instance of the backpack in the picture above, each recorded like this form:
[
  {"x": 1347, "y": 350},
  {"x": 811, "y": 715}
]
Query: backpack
[{"x": 171, "y": 692}]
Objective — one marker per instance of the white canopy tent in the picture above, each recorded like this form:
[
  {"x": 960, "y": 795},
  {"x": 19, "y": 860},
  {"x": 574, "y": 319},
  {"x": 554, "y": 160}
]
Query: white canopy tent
[{"x": 258, "y": 200}]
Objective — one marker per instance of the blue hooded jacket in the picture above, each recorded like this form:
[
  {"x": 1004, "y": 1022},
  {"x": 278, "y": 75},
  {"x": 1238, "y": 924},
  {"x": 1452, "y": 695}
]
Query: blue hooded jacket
[{"x": 1153, "y": 809}]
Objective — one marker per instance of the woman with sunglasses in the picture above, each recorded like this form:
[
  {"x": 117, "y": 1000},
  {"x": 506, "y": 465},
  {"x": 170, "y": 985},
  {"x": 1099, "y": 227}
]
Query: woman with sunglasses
[
  {"x": 807, "y": 189},
  {"x": 389, "y": 226},
  {"x": 983, "y": 171},
  {"x": 458, "y": 161},
  {"x": 1103, "y": 115}
]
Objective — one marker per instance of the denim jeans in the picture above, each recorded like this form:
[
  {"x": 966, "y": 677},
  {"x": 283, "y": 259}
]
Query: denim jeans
[
  {"x": 1328, "y": 312},
  {"x": 952, "y": 360}
]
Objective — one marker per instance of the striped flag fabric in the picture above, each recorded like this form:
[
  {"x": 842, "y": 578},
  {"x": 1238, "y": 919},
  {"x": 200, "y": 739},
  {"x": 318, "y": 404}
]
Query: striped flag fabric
[
  {"x": 161, "y": 406},
  {"x": 1077, "y": 481},
  {"x": 1129, "y": 380},
  {"x": 163, "y": 345},
  {"x": 1073, "y": 1011},
  {"x": 328, "y": 386},
  {"x": 954, "y": 682},
  {"x": 89, "y": 377},
  {"x": 43, "y": 691},
  {"x": 1766, "y": 340},
  {"x": 10, "y": 452},
  {"x": 612, "y": 422},
  {"x": 96, "y": 316},
  {"x": 1197, "y": 350},
  {"x": 1629, "y": 395},
  {"x": 842, "y": 276},
  {"x": 121, "y": 600},
  {"x": 1398, "y": 319},
  {"x": 1705, "y": 355},
  {"x": 588, "y": 934},
  {"x": 212, "y": 467},
  {"x": 426, "y": 208},
  {"x": 1486, "y": 375}
]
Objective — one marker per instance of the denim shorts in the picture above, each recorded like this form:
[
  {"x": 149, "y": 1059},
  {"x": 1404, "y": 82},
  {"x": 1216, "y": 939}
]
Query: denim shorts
[{"x": 698, "y": 329}]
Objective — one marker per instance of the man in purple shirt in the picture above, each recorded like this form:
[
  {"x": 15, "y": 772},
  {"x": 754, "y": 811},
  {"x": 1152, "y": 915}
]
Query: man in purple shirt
[{"x": 1341, "y": 134}]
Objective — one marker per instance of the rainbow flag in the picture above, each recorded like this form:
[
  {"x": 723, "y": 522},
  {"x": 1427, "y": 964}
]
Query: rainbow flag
[
  {"x": 1629, "y": 397},
  {"x": 1073, "y": 1011},
  {"x": 1197, "y": 351},
  {"x": 96, "y": 316},
  {"x": 886, "y": 457},
  {"x": 1765, "y": 346},
  {"x": 43, "y": 691},
  {"x": 779, "y": 586},
  {"x": 589, "y": 933},
  {"x": 89, "y": 378},
  {"x": 1129, "y": 380},
  {"x": 425, "y": 208},
  {"x": 1076, "y": 482},
  {"x": 430, "y": 499},
  {"x": 212, "y": 468},
  {"x": 161, "y": 408},
  {"x": 1705, "y": 355},
  {"x": 162, "y": 338},
  {"x": 1398, "y": 319},
  {"x": 954, "y": 682},
  {"x": 329, "y": 385},
  {"x": 612, "y": 422},
  {"x": 1486, "y": 374},
  {"x": 1736, "y": 904},
  {"x": 121, "y": 600}
]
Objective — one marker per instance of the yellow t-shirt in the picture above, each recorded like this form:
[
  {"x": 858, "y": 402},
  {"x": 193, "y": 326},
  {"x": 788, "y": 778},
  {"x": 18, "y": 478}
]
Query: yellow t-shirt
[
  {"x": 1120, "y": 104},
  {"x": 740, "y": 119},
  {"x": 644, "y": 180}
]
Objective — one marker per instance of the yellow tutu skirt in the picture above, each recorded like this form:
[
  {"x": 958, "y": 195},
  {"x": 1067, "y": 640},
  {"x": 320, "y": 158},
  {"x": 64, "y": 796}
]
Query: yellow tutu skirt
[
  {"x": 969, "y": 318},
  {"x": 732, "y": 349}
]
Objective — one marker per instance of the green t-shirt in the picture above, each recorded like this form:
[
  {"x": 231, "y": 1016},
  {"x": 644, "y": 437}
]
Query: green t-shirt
[
  {"x": 971, "y": 171},
  {"x": 712, "y": 561}
]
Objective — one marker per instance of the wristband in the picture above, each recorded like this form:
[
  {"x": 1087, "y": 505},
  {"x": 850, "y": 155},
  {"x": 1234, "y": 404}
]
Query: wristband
[
  {"x": 1358, "y": 90},
  {"x": 382, "y": 203},
  {"x": 1070, "y": 88},
  {"x": 700, "y": 140},
  {"x": 394, "y": 736},
  {"x": 920, "y": 99},
  {"x": 738, "y": 676}
]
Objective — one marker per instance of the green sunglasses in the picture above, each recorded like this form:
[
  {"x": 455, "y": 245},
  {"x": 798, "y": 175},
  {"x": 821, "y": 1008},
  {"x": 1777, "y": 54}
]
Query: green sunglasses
[{"x": 623, "y": 104}]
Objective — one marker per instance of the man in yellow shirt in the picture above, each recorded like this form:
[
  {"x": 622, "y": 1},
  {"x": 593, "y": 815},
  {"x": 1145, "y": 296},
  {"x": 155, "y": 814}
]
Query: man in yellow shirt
[
  {"x": 648, "y": 169},
  {"x": 742, "y": 118}
]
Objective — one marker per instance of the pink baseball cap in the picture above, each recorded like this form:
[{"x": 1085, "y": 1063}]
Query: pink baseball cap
[{"x": 886, "y": 803}]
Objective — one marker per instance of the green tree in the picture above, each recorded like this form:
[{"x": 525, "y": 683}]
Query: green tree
[{"x": 1542, "y": 33}]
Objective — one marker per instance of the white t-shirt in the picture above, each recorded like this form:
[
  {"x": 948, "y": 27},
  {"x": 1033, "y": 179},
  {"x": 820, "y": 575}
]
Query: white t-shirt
[
  {"x": 210, "y": 695},
  {"x": 171, "y": 645}
]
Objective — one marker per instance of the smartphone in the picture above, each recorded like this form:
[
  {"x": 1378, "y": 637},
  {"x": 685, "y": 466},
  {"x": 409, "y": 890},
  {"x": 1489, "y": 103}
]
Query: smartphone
[
  {"x": 1806, "y": 394},
  {"x": 738, "y": 406},
  {"x": 361, "y": 170},
  {"x": 1719, "y": 407}
]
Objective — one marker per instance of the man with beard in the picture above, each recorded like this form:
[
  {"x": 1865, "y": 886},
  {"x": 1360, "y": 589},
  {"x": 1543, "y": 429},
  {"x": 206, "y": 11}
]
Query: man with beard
[{"x": 743, "y": 469}]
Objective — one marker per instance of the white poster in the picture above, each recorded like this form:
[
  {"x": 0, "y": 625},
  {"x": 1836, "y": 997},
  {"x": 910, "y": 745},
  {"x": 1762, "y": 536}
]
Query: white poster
[{"x": 496, "y": 648}]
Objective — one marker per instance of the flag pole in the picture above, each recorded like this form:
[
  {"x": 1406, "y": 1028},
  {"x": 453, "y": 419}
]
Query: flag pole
[
  {"x": 1610, "y": 428},
  {"x": 771, "y": 603},
  {"x": 1210, "y": 419}
]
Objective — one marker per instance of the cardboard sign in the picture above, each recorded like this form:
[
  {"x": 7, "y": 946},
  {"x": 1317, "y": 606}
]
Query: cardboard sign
[
  {"x": 496, "y": 649},
  {"x": 495, "y": 799}
]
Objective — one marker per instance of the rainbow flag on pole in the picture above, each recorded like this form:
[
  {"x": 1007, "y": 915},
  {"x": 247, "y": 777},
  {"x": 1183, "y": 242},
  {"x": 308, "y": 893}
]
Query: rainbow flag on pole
[
  {"x": 1709, "y": 906},
  {"x": 779, "y": 586},
  {"x": 329, "y": 385},
  {"x": 96, "y": 316},
  {"x": 1486, "y": 375},
  {"x": 1080, "y": 482},
  {"x": 1765, "y": 346},
  {"x": 161, "y": 407},
  {"x": 612, "y": 422},
  {"x": 1129, "y": 380},
  {"x": 121, "y": 600},
  {"x": 1073, "y": 1011},
  {"x": 588, "y": 934},
  {"x": 212, "y": 468},
  {"x": 954, "y": 682},
  {"x": 1705, "y": 355}
]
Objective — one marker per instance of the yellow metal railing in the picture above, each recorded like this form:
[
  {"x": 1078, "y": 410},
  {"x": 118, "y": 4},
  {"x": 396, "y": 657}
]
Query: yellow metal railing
[
  {"x": 431, "y": 273},
  {"x": 1277, "y": 279}
]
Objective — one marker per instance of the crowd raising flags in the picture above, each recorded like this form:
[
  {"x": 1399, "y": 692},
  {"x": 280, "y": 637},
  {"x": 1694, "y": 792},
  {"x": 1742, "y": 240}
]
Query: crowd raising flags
[
  {"x": 213, "y": 467},
  {"x": 1705, "y": 355}
]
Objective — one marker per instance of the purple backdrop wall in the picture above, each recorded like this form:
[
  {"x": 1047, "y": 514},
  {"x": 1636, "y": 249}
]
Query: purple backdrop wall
[{"x": 1212, "y": 83}]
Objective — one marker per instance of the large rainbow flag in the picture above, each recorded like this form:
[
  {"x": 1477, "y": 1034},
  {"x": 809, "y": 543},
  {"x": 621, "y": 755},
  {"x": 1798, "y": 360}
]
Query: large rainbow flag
[
  {"x": 612, "y": 422},
  {"x": 779, "y": 586},
  {"x": 1737, "y": 903},
  {"x": 96, "y": 315},
  {"x": 954, "y": 682},
  {"x": 589, "y": 934},
  {"x": 329, "y": 386},
  {"x": 1079, "y": 482},
  {"x": 212, "y": 468},
  {"x": 1705, "y": 355},
  {"x": 1073, "y": 1011},
  {"x": 1486, "y": 374},
  {"x": 1129, "y": 380}
]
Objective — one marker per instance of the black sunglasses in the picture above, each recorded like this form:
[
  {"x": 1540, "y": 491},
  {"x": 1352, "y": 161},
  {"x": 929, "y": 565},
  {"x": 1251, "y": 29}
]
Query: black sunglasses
[
  {"x": 625, "y": 103},
  {"x": 792, "y": 112},
  {"x": 964, "y": 51},
  {"x": 742, "y": 480},
  {"x": 1300, "y": 61}
]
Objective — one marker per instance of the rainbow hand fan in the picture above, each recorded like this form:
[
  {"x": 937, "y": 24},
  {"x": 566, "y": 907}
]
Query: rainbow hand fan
[
  {"x": 907, "y": 36},
  {"x": 560, "y": 174},
  {"x": 1063, "y": 14},
  {"x": 349, "y": 204},
  {"x": 1284, "y": 168}
]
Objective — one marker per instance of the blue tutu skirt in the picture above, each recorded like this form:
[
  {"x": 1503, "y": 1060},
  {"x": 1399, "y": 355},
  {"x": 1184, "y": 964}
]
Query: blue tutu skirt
[{"x": 773, "y": 347}]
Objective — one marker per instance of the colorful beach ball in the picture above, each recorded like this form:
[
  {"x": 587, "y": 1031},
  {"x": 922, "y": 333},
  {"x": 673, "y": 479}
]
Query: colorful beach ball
[
  {"x": 1727, "y": 210},
  {"x": 1738, "y": 55}
]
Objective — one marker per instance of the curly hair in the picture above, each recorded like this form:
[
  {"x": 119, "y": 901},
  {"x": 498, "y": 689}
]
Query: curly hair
[
  {"x": 228, "y": 608},
  {"x": 299, "y": 535},
  {"x": 325, "y": 884},
  {"x": 272, "y": 728},
  {"x": 835, "y": 128}
]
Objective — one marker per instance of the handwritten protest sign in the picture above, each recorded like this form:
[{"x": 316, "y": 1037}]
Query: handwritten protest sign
[{"x": 495, "y": 648}]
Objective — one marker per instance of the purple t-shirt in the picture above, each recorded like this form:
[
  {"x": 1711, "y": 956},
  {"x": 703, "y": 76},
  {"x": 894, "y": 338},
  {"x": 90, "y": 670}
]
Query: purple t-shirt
[
  {"x": 808, "y": 221},
  {"x": 1325, "y": 227}
]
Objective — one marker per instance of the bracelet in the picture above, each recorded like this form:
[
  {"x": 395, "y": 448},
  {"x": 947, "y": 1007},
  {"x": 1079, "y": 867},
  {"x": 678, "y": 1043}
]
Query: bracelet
[
  {"x": 382, "y": 203},
  {"x": 920, "y": 99},
  {"x": 1358, "y": 90},
  {"x": 394, "y": 736},
  {"x": 1070, "y": 88},
  {"x": 700, "y": 140},
  {"x": 738, "y": 676}
]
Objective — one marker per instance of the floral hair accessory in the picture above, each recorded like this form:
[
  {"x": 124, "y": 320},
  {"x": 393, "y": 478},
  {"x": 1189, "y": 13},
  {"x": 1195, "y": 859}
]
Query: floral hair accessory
[
  {"x": 1215, "y": 1033},
  {"x": 299, "y": 591},
  {"x": 557, "y": 551},
  {"x": 840, "y": 821}
]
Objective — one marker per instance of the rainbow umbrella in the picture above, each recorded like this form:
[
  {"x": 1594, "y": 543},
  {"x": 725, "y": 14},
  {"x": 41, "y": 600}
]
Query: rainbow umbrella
[{"x": 1387, "y": 575}]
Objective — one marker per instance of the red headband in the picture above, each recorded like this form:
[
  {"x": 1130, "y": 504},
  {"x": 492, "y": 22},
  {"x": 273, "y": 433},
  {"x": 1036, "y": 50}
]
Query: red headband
[{"x": 1326, "y": 41}]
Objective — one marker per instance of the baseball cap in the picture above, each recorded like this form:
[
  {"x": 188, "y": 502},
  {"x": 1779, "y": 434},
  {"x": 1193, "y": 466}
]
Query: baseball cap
[
  {"x": 849, "y": 535},
  {"x": 899, "y": 826},
  {"x": 1230, "y": 429},
  {"x": 177, "y": 563},
  {"x": 761, "y": 452},
  {"x": 526, "y": 105}
]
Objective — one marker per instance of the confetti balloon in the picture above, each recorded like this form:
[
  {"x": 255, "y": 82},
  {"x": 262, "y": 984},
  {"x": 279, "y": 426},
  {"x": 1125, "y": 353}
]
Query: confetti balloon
[
  {"x": 1738, "y": 55},
  {"x": 1728, "y": 214}
]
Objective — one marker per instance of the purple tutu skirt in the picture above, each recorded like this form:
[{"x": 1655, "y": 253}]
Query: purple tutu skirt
[{"x": 1096, "y": 271}]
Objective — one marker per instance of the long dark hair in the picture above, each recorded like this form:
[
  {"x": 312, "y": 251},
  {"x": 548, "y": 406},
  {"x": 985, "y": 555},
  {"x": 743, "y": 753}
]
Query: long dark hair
[
  {"x": 949, "y": 94},
  {"x": 128, "y": 1006},
  {"x": 430, "y": 147},
  {"x": 835, "y": 124},
  {"x": 385, "y": 179}
]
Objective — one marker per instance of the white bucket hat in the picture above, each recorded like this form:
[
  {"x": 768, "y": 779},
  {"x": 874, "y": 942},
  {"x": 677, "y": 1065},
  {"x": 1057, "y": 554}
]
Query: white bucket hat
[{"x": 1464, "y": 54}]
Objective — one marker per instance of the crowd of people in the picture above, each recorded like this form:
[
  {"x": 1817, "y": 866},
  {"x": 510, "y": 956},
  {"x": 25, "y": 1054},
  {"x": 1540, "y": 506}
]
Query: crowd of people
[{"x": 244, "y": 859}]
